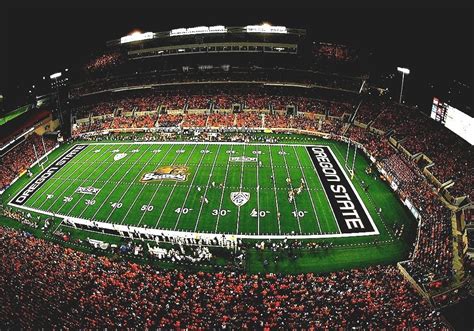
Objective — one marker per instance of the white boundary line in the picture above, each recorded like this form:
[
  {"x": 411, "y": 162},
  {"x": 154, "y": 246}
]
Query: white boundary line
[
  {"x": 187, "y": 234},
  {"x": 223, "y": 188},
  {"x": 309, "y": 192},
  {"x": 258, "y": 193},
  {"x": 291, "y": 185},
  {"x": 325, "y": 193},
  {"x": 275, "y": 190},
  {"x": 159, "y": 185},
  {"x": 95, "y": 181},
  {"x": 67, "y": 188},
  {"x": 190, "y": 187},
  {"x": 56, "y": 179},
  {"x": 376, "y": 230},
  {"x": 125, "y": 192},
  {"x": 207, "y": 187}
]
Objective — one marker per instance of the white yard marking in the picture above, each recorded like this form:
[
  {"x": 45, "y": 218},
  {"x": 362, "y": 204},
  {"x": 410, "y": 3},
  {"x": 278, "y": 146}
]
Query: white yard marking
[
  {"x": 223, "y": 186},
  {"x": 182, "y": 234},
  {"x": 125, "y": 191},
  {"x": 157, "y": 189},
  {"x": 291, "y": 186},
  {"x": 97, "y": 178},
  {"x": 172, "y": 190},
  {"x": 53, "y": 179},
  {"x": 240, "y": 190},
  {"x": 197, "y": 143},
  {"x": 61, "y": 195},
  {"x": 258, "y": 152},
  {"x": 190, "y": 187},
  {"x": 68, "y": 199},
  {"x": 207, "y": 186},
  {"x": 309, "y": 193},
  {"x": 275, "y": 189}
]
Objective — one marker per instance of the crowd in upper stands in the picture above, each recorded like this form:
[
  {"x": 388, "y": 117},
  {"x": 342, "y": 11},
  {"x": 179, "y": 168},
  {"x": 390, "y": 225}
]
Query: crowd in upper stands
[
  {"x": 45, "y": 285},
  {"x": 20, "y": 158},
  {"x": 104, "y": 61}
]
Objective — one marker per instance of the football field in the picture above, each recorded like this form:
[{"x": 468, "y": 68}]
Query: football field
[{"x": 249, "y": 190}]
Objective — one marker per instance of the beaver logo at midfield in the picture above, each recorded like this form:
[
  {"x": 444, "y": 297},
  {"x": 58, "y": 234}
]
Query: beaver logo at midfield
[{"x": 177, "y": 173}]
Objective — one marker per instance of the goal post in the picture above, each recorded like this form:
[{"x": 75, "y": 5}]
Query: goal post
[{"x": 350, "y": 166}]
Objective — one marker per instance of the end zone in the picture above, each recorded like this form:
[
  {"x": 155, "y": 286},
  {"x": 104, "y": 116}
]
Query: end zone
[{"x": 349, "y": 211}]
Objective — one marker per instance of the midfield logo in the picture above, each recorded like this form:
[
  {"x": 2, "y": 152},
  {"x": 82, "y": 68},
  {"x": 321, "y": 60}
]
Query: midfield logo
[
  {"x": 119, "y": 156},
  {"x": 178, "y": 173},
  {"x": 239, "y": 198},
  {"x": 87, "y": 190}
]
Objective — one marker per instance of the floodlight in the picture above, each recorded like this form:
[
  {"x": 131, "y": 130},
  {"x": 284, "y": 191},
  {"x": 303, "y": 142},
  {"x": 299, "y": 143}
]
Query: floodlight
[
  {"x": 56, "y": 75},
  {"x": 404, "y": 71}
]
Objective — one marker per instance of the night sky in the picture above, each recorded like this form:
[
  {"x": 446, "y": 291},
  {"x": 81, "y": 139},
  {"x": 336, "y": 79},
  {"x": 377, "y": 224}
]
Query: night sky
[{"x": 436, "y": 44}]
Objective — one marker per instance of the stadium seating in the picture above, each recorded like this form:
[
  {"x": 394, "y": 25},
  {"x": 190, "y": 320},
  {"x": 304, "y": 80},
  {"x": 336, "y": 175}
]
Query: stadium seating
[
  {"x": 280, "y": 297},
  {"x": 44, "y": 285}
]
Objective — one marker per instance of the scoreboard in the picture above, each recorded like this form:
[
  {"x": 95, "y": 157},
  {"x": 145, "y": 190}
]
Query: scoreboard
[
  {"x": 439, "y": 110},
  {"x": 453, "y": 119}
]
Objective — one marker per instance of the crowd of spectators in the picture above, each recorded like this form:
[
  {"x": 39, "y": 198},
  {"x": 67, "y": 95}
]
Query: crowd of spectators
[
  {"x": 195, "y": 121},
  {"x": 221, "y": 120},
  {"x": 104, "y": 62},
  {"x": 377, "y": 147},
  {"x": 452, "y": 156},
  {"x": 19, "y": 158},
  {"x": 432, "y": 257},
  {"x": 170, "y": 120},
  {"x": 44, "y": 285},
  {"x": 334, "y": 52},
  {"x": 249, "y": 120},
  {"x": 181, "y": 100}
]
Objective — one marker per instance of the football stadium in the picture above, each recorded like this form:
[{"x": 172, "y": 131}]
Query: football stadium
[{"x": 241, "y": 175}]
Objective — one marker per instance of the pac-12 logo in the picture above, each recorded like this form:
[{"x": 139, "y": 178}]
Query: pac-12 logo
[
  {"x": 239, "y": 198},
  {"x": 178, "y": 173}
]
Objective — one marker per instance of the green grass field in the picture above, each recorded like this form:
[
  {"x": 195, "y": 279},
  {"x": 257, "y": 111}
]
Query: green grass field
[{"x": 124, "y": 199}]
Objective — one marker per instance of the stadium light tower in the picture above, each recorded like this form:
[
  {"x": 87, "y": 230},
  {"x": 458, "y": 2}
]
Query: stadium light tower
[
  {"x": 404, "y": 72},
  {"x": 55, "y": 76}
]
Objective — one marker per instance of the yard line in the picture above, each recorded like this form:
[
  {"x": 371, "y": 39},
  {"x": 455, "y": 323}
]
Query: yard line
[
  {"x": 223, "y": 188},
  {"x": 46, "y": 188},
  {"x": 291, "y": 186},
  {"x": 207, "y": 187},
  {"x": 310, "y": 197},
  {"x": 240, "y": 190},
  {"x": 274, "y": 189},
  {"x": 189, "y": 189},
  {"x": 172, "y": 190},
  {"x": 258, "y": 195},
  {"x": 156, "y": 190},
  {"x": 92, "y": 198},
  {"x": 117, "y": 184},
  {"x": 84, "y": 169}
]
